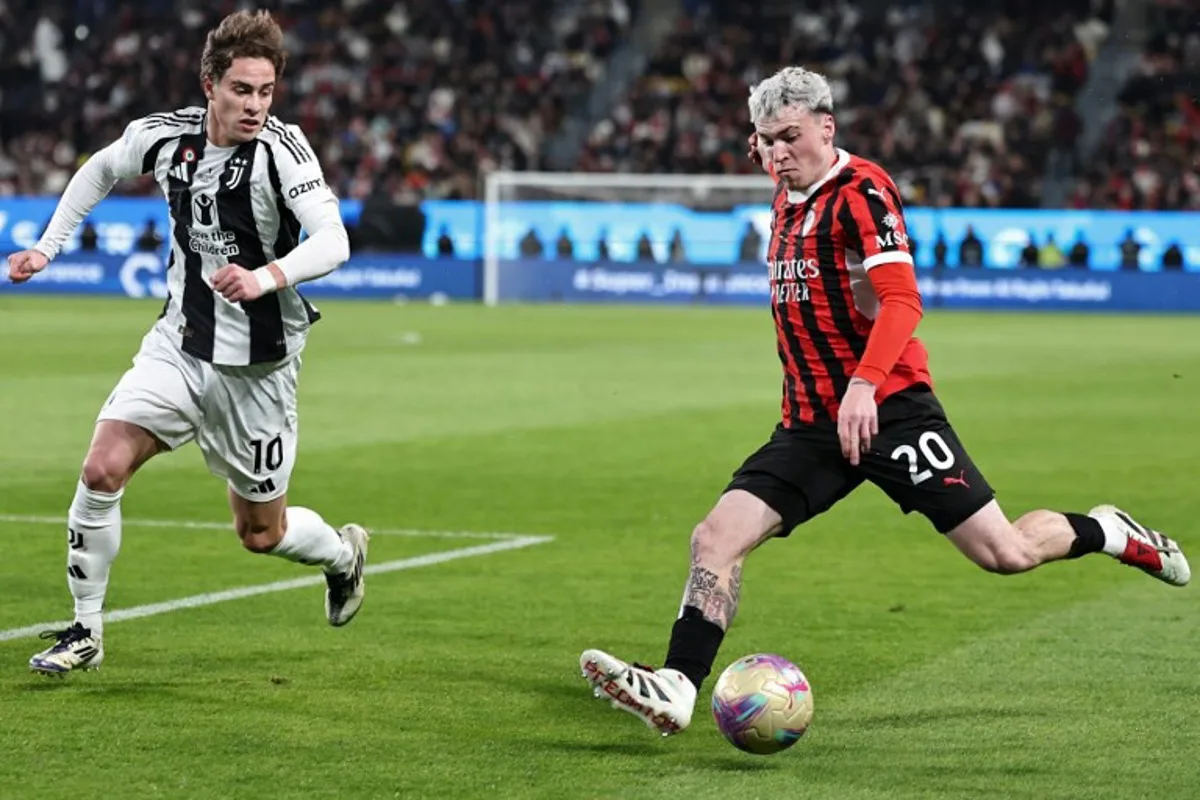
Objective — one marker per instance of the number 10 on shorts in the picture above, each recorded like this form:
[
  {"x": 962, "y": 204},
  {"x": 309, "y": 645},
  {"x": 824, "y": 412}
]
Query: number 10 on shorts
[
  {"x": 935, "y": 450},
  {"x": 268, "y": 453}
]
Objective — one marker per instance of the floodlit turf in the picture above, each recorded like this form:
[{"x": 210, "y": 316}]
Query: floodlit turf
[{"x": 612, "y": 430}]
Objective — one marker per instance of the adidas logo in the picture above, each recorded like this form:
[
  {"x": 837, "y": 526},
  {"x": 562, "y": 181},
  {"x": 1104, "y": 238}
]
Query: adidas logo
[
  {"x": 179, "y": 172},
  {"x": 266, "y": 487}
]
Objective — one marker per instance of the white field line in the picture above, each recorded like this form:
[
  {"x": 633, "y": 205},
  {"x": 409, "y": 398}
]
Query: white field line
[
  {"x": 510, "y": 541},
  {"x": 27, "y": 519}
]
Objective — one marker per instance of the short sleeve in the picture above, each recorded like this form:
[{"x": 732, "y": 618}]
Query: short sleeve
[
  {"x": 301, "y": 180},
  {"x": 874, "y": 221}
]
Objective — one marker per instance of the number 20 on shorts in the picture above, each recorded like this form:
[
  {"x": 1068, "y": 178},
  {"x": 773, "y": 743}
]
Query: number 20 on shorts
[{"x": 935, "y": 450}]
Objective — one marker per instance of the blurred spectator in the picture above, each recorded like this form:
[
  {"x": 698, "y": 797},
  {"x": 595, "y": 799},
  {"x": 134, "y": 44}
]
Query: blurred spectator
[
  {"x": 602, "y": 246},
  {"x": 970, "y": 252},
  {"x": 1079, "y": 253},
  {"x": 1130, "y": 249},
  {"x": 89, "y": 239},
  {"x": 1172, "y": 258},
  {"x": 1050, "y": 255},
  {"x": 445, "y": 245},
  {"x": 751, "y": 243},
  {"x": 1029, "y": 253},
  {"x": 645, "y": 250},
  {"x": 149, "y": 240},
  {"x": 564, "y": 247},
  {"x": 678, "y": 254},
  {"x": 531, "y": 245}
]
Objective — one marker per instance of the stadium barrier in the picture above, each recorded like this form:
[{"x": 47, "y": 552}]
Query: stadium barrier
[
  {"x": 707, "y": 237},
  {"x": 417, "y": 277}
]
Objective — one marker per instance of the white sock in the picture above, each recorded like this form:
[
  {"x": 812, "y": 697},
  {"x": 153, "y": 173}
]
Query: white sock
[
  {"x": 1115, "y": 539},
  {"x": 94, "y": 538},
  {"x": 310, "y": 540}
]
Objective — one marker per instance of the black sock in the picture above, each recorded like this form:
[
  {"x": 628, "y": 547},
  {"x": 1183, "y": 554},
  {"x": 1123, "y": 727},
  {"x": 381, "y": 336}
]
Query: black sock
[
  {"x": 1089, "y": 536},
  {"x": 694, "y": 645}
]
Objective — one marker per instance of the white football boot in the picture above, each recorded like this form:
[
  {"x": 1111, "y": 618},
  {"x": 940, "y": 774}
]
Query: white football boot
[
  {"x": 663, "y": 698},
  {"x": 1147, "y": 549},
  {"x": 344, "y": 593},
  {"x": 74, "y": 648}
]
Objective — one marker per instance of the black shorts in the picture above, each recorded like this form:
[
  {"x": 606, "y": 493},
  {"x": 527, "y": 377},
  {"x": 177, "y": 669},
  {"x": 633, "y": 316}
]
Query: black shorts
[{"x": 916, "y": 459}]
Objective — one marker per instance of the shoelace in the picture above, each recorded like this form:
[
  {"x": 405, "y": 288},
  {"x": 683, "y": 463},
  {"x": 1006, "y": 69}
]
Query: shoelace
[{"x": 68, "y": 635}]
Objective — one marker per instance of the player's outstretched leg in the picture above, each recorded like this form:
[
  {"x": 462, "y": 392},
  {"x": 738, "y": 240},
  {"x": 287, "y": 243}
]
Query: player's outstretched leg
[
  {"x": 117, "y": 450},
  {"x": 665, "y": 698},
  {"x": 302, "y": 536},
  {"x": 1036, "y": 538}
]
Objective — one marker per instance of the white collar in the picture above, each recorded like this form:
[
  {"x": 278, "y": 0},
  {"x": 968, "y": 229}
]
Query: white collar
[{"x": 796, "y": 196}]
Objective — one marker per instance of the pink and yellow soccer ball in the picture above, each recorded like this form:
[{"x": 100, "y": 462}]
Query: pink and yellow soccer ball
[{"x": 762, "y": 703}]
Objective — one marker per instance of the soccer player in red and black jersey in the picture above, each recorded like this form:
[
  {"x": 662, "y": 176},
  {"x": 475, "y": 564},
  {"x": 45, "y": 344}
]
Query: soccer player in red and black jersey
[{"x": 858, "y": 405}]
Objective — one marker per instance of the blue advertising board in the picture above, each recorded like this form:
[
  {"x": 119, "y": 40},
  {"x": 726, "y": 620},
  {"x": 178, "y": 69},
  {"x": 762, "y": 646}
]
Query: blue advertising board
[
  {"x": 707, "y": 237},
  {"x": 144, "y": 275},
  {"x": 1064, "y": 289},
  {"x": 541, "y": 280}
]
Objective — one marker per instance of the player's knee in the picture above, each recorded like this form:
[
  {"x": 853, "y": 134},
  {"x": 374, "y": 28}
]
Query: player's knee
[
  {"x": 104, "y": 472},
  {"x": 713, "y": 542},
  {"x": 258, "y": 536}
]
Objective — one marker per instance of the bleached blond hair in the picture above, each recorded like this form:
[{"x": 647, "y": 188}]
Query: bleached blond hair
[{"x": 790, "y": 86}]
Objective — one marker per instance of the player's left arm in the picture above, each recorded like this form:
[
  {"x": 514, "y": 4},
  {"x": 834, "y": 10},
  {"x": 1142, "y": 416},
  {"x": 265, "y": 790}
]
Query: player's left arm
[
  {"x": 327, "y": 246},
  {"x": 874, "y": 221}
]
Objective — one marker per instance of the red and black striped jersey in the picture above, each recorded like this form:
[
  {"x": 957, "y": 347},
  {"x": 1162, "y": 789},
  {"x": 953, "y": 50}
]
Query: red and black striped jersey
[{"x": 823, "y": 243}]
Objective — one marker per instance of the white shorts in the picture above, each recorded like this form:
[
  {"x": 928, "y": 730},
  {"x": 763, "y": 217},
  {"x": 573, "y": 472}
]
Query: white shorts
[{"x": 243, "y": 418}]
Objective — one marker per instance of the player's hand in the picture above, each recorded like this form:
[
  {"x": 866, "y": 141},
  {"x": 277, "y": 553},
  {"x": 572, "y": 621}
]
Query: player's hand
[
  {"x": 24, "y": 265},
  {"x": 236, "y": 284},
  {"x": 754, "y": 155},
  {"x": 858, "y": 419}
]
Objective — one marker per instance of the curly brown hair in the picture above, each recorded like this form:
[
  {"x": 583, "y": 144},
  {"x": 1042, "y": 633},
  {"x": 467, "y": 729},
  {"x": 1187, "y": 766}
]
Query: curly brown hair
[{"x": 243, "y": 34}]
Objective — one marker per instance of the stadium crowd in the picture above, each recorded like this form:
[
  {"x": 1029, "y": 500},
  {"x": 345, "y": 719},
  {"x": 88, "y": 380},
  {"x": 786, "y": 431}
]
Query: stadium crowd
[
  {"x": 1150, "y": 153},
  {"x": 412, "y": 100},
  {"x": 408, "y": 98},
  {"x": 961, "y": 106}
]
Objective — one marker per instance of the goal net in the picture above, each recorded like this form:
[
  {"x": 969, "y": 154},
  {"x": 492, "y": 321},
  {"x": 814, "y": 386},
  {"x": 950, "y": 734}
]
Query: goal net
[{"x": 575, "y": 237}]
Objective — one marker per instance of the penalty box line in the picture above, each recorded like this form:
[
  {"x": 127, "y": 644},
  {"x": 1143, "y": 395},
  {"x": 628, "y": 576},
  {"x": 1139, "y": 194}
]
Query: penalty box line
[{"x": 501, "y": 543}]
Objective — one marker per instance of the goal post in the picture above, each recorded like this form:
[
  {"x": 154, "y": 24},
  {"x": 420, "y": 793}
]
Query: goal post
[{"x": 540, "y": 228}]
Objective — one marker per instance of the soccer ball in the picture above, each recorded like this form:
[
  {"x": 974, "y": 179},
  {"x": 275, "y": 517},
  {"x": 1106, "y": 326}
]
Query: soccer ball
[{"x": 762, "y": 703}]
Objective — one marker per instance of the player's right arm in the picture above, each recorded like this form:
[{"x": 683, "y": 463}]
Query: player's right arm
[{"x": 94, "y": 180}]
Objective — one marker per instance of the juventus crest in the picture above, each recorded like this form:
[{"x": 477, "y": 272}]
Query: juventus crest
[{"x": 235, "y": 170}]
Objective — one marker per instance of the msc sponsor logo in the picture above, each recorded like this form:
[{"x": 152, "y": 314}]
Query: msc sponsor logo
[{"x": 891, "y": 239}]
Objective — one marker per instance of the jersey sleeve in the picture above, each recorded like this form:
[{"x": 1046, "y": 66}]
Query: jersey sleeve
[
  {"x": 127, "y": 155},
  {"x": 301, "y": 180},
  {"x": 874, "y": 222}
]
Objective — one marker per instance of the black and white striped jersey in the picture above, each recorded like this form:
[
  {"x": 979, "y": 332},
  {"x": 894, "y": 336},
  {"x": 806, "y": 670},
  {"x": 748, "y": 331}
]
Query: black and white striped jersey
[{"x": 228, "y": 205}]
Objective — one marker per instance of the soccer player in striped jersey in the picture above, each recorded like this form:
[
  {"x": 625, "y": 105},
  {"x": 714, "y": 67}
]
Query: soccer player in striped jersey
[
  {"x": 858, "y": 405},
  {"x": 220, "y": 367}
]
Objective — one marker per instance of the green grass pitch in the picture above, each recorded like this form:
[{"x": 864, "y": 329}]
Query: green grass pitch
[{"x": 611, "y": 430}]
